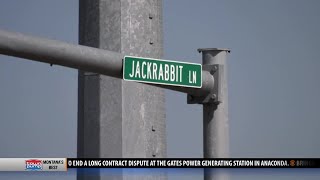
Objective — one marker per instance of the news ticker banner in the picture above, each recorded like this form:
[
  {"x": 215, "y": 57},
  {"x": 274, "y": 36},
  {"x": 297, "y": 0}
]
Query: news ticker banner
[
  {"x": 62, "y": 164},
  {"x": 33, "y": 164}
]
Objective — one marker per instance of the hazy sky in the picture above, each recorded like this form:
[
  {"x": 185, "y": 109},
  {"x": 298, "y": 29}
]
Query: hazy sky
[{"x": 274, "y": 82}]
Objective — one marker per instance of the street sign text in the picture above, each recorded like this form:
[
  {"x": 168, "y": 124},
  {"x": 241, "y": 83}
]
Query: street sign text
[{"x": 157, "y": 71}]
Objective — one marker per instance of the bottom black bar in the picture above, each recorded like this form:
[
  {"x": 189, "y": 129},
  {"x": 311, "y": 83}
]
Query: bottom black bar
[{"x": 193, "y": 163}]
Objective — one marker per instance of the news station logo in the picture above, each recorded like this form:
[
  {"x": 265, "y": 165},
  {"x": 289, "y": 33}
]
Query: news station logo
[{"x": 33, "y": 165}]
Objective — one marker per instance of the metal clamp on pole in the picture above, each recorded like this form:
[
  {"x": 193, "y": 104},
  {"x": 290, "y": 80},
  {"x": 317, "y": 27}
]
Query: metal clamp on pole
[{"x": 214, "y": 96}]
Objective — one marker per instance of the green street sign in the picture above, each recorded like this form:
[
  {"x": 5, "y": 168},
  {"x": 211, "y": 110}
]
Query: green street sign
[{"x": 158, "y": 71}]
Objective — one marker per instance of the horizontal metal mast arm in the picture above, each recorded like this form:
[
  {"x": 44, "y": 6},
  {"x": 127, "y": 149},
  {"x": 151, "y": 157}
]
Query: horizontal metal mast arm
[
  {"x": 64, "y": 54},
  {"x": 79, "y": 57}
]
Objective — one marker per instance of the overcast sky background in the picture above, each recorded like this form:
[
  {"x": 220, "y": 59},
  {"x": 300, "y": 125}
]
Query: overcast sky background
[{"x": 274, "y": 82}]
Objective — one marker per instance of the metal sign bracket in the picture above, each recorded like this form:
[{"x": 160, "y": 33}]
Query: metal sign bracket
[{"x": 214, "y": 97}]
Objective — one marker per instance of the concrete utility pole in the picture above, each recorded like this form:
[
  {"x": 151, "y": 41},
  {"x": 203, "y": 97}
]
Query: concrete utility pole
[{"x": 117, "y": 118}]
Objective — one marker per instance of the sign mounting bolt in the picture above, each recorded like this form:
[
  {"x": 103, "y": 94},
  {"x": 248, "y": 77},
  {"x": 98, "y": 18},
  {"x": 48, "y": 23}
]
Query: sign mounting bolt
[{"x": 150, "y": 16}]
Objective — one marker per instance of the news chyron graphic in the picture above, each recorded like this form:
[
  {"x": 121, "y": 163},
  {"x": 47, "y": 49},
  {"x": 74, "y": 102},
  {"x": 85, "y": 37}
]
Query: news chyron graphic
[
  {"x": 63, "y": 164},
  {"x": 33, "y": 164}
]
